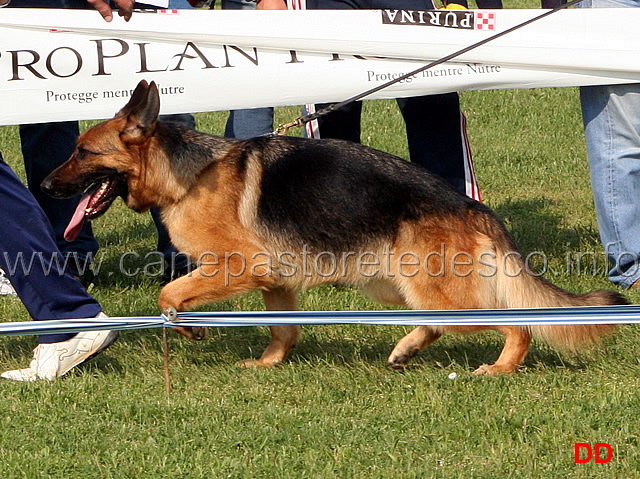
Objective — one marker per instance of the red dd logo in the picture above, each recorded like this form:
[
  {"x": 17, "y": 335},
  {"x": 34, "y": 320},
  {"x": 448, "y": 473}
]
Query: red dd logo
[{"x": 592, "y": 453}]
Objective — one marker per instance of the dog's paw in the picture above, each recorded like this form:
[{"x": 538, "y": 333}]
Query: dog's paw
[
  {"x": 195, "y": 333},
  {"x": 398, "y": 363},
  {"x": 493, "y": 370},
  {"x": 256, "y": 363},
  {"x": 247, "y": 364},
  {"x": 199, "y": 333},
  {"x": 484, "y": 370}
]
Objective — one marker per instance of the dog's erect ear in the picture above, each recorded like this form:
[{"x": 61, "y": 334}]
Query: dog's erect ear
[
  {"x": 141, "y": 113},
  {"x": 137, "y": 97}
]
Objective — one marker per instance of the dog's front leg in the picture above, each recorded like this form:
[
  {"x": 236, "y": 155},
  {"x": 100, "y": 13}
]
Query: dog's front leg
[
  {"x": 283, "y": 338},
  {"x": 174, "y": 297},
  {"x": 170, "y": 303},
  {"x": 207, "y": 284}
]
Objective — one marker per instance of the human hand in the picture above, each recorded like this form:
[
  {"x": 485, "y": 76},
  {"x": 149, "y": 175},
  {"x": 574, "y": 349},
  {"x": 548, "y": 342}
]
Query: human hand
[
  {"x": 271, "y": 5},
  {"x": 125, "y": 8}
]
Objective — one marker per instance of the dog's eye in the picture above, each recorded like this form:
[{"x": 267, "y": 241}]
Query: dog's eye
[{"x": 82, "y": 153}]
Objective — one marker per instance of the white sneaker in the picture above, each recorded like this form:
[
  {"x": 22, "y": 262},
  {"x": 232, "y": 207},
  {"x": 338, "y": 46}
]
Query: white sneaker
[
  {"x": 53, "y": 360},
  {"x": 6, "y": 289}
]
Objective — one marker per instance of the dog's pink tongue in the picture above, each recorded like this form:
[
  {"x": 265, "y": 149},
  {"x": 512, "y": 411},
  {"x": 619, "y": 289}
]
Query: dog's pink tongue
[{"x": 77, "y": 220}]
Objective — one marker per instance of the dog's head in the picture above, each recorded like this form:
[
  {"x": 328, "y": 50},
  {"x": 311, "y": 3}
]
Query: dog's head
[{"x": 108, "y": 160}]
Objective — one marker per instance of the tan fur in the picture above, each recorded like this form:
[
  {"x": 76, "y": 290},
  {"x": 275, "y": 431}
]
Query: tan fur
[{"x": 215, "y": 213}]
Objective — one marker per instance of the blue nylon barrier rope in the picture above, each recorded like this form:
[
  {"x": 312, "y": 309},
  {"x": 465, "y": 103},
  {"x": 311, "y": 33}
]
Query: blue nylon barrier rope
[
  {"x": 486, "y": 317},
  {"x": 77, "y": 325}
]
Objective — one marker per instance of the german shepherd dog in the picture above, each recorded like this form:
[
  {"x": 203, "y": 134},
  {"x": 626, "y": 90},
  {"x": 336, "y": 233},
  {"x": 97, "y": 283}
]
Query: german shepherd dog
[{"x": 280, "y": 214}]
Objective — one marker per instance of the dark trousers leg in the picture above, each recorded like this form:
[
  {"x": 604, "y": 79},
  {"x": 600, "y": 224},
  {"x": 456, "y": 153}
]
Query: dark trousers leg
[
  {"x": 435, "y": 136},
  {"x": 552, "y": 3},
  {"x": 489, "y": 4},
  {"x": 45, "y": 146},
  {"x": 343, "y": 124},
  {"x": 28, "y": 257}
]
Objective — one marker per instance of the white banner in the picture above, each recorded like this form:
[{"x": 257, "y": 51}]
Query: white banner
[{"x": 69, "y": 64}]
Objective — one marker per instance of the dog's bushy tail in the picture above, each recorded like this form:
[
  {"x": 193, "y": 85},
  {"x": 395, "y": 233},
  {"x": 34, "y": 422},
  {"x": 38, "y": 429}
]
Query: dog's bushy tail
[
  {"x": 518, "y": 287},
  {"x": 528, "y": 291}
]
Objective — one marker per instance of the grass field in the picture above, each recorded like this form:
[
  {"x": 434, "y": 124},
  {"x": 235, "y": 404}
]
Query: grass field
[{"x": 334, "y": 410}]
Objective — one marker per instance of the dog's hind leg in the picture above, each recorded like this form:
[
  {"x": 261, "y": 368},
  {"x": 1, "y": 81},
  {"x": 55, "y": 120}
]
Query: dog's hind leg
[
  {"x": 421, "y": 293},
  {"x": 412, "y": 344},
  {"x": 515, "y": 350},
  {"x": 283, "y": 338}
]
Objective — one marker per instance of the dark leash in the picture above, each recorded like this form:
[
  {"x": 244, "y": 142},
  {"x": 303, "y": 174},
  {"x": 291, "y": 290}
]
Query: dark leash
[{"x": 304, "y": 119}]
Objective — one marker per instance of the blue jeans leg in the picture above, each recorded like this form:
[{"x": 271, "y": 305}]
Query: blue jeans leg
[
  {"x": 238, "y": 5},
  {"x": 608, "y": 3},
  {"x": 179, "y": 4},
  {"x": 611, "y": 117},
  {"x": 46, "y": 291},
  {"x": 243, "y": 124}
]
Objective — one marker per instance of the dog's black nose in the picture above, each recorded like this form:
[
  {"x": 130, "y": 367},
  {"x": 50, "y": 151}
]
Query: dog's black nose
[
  {"x": 47, "y": 186},
  {"x": 51, "y": 187}
]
